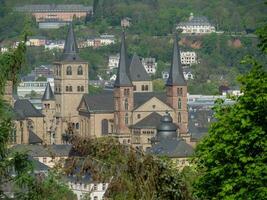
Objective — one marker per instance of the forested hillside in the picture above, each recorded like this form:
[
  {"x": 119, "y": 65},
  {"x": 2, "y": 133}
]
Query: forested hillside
[{"x": 153, "y": 22}]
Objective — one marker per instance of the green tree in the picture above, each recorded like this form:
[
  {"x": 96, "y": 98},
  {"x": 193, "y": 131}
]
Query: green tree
[{"x": 231, "y": 160}]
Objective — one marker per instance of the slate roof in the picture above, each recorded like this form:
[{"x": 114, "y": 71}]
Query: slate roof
[
  {"x": 24, "y": 109},
  {"x": 59, "y": 150},
  {"x": 173, "y": 148},
  {"x": 137, "y": 70},
  {"x": 70, "y": 52},
  {"x": 54, "y": 8},
  {"x": 176, "y": 76},
  {"x": 123, "y": 79},
  {"x": 104, "y": 100},
  {"x": 34, "y": 139},
  {"x": 196, "y": 21},
  {"x": 151, "y": 121},
  {"x": 48, "y": 94}
]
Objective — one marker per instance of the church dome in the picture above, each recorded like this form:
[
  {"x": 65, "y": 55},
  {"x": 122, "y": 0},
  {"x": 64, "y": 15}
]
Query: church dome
[{"x": 166, "y": 128}]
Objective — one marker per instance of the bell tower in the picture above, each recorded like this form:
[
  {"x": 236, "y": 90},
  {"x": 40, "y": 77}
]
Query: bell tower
[
  {"x": 177, "y": 91},
  {"x": 71, "y": 83},
  {"x": 123, "y": 94}
]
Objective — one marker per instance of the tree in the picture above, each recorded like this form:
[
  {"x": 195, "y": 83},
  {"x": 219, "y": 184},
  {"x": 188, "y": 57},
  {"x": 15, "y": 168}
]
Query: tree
[{"x": 231, "y": 160}]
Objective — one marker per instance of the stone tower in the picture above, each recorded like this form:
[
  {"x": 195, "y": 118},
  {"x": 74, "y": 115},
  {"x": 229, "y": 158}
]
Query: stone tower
[
  {"x": 123, "y": 94},
  {"x": 71, "y": 82},
  {"x": 49, "y": 110},
  {"x": 177, "y": 91}
]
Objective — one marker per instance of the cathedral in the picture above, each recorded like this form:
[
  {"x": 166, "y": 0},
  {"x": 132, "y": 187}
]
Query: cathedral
[{"x": 129, "y": 112}]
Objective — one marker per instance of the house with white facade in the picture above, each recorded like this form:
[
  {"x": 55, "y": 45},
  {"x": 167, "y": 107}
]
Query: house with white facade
[
  {"x": 150, "y": 65},
  {"x": 196, "y": 25},
  {"x": 188, "y": 57},
  {"x": 59, "y": 44},
  {"x": 113, "y": 61}
]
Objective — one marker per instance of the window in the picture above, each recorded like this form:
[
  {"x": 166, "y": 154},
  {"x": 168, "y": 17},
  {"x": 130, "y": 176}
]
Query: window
[
  {"x": 80, "y": 70},
  {"x": 126, "y": 104},
  {"x": 78, "y": 88},
  {"x": 104, "y": 126},
  {"x": 126, "y": 118},
  {"x": 82, "y": 88},
  {"x": 77, "y": 125},
  {"x": 143, "y": 87},
  {"x": 179, "y": 117},
  {"x": 179, "y": 91},
  {"x": 67, "y": 88},
  {"x": 138, "y": 116},
  {"x": 154, "y": 106},
  {"x": 179, "y": 104},
  {"x": 44, "y": 160},
  {"x": 104, "y": 186},
  {"x": 69, "y": 70},
  {"x": 134, "y": 88},
  {"x": 95, "y": 187},
  {"x": 95, "y": 198},
  {"x": 70, "y": 88},
  {"x": 126, "y": 92},
  {"x": 146, "y": 87}
]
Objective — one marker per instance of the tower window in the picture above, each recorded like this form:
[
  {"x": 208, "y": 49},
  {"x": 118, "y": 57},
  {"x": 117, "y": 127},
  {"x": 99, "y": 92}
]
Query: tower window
[
  {"x": 179, "y": 117},
  {"x": 138, "y": 116},
  {"x": 80, "y": 70},
  {"x": 69, "y": 70},
  {"x": 70, "y": 88},
  {"x": 179, "y": 91},
  {"x": 77, "y": 126},
  {"x": 179, "y": 104},
  {"x": 146, "y": 87},
  {"x": 82, "y": 88},
  {"x": 78, "y": 88},
  {"x": 67, "y": 88},
  {"x": 143, "y": 87},
  {"x": 126, "y": 104},
  {"x": 126, "y": 118}
]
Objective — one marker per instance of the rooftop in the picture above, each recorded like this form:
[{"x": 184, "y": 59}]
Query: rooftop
[{"x": 54, "y": 8}]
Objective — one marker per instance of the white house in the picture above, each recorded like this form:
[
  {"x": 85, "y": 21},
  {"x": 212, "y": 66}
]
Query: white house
[
  {"x": 150, "y": 65},
  {"x": 196, "y": 25},
  {"x": 113, "y": 61},
  {"x": 27, "y": 87},
  {"x": 55, "y": 44},
  {"x": 188, "y": 57},
  {"x": 107, "y": 39}
]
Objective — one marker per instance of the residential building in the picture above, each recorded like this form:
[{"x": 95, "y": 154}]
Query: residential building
[
  {"x": 196, "y": 25},
  {"x": 126, "y": 22},
  {"x": 56, "y": 12},
  {"x": 186, "y": 72},
  {"x": 26, "y": 87},
  {"x": 188, "y": 57},
  {"x": 150, "y": 65},
  {"x": 113, "y": 61},
  {"x": 36, "y": 41},
  {"x": 44, "y": 70},
  {"x": 57, "y": 44},
  {"x": 107, "y": 39}
]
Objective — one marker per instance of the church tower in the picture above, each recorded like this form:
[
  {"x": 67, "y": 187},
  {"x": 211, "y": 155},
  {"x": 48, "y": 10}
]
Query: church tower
[
  {"x": 123, "y": 95},
  {"x": 71, "y": 83},
  {"x": 177, "y": 91},
  {"x": 48, "y": 110}
]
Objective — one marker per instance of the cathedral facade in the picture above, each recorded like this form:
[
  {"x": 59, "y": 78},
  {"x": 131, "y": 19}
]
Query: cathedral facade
[{"x": 130, "y": 112}]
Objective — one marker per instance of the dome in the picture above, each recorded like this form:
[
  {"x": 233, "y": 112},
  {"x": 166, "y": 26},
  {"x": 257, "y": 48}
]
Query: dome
[{"x": 166, "y": 128}]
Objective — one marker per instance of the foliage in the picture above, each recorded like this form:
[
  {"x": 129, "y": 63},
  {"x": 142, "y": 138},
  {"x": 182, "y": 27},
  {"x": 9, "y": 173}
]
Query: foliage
[
  {"x": 94, "y": 90},
  {"x": 232, "y": 159},
  {"x": 158, "y": 85},
  {"x": 133, "y": 174}
]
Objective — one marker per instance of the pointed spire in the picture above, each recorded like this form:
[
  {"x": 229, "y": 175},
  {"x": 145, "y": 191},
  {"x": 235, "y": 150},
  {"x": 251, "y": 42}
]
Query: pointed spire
[
  {"x": 70, "y": 52},
  {"x": 48, "y": 94},
  {"x": 137, "y": 70},
  {"x": 176, "y": 76},
  {"x": 123, "y": 71}
]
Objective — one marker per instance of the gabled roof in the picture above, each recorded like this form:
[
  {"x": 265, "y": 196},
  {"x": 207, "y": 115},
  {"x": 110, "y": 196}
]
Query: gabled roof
[
  {"x": 151, "y": 121},
  {"x": 176, "y": 76},
  {"x": 25, "y": 109},
  {"x": 48, "y": 94},
  {"x": 34, "y": 139},
  {"x": 70, "y": 52},
  {"x": 137, "y": 70},
  {"x": 123, "y": 79}
]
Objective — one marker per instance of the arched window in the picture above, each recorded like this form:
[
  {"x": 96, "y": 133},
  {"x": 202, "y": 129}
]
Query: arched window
[
  {"x": 69, "y": 70},
  {"x": 179, "y": 104},
  {"x": 181, "y": 91},
  {"x": 77, "y": 126},
  {"x": 80, "y": 70},
  {"x": 126, "y": 118},
  {"x": 146, "y": 87},
  {"x": 67, "y": 88},
  {"x": 179, "y": 117},
  {"x": 70, "y": 88},
  {"x": 126, "y": 104},
  {"x": 82, "y": 88},
  {"x": 78, "y": 88},
  {"x": 143, "y": 87}
]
